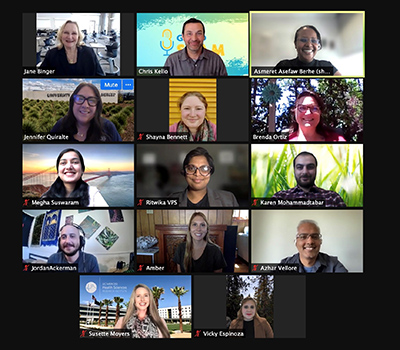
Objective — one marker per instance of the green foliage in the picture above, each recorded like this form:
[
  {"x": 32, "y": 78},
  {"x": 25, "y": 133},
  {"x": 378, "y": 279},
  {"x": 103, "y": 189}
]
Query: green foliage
[
  {"x": 343, "y": 99},
  {"x": 340, "y": 169}
]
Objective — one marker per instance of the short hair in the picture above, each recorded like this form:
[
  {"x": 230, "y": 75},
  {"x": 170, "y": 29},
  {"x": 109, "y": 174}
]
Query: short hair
[
  {"x": 308, "y": 221},
  {"x": 193, "y": 20},
  {"x": 314, "y": 29},
  {"x": 305, "y": 153},
  {"x": 199, "y": 151}
]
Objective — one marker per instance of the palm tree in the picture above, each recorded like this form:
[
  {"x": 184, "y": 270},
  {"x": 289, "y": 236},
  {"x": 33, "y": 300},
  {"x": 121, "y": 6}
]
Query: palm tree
[
  {"x": 179, "y": 291},
  {"x": 118, "y": 301},
  {"x": 107, "y": 302},
  {"x": 157, "y": 291},
  {"x": 100, "y": 306}
]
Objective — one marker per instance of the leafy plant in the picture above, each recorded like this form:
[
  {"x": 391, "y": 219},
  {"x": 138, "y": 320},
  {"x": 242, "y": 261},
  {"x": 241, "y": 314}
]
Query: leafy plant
[{"x": 340, "y": 169}]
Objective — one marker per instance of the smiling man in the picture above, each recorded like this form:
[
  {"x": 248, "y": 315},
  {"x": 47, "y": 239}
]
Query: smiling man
[
  {"x": 71, "y": 242},
  {"x": 305, "y": 171},
  {"x": 194, "y": 59},
  {"x": 309, "y": 258}
]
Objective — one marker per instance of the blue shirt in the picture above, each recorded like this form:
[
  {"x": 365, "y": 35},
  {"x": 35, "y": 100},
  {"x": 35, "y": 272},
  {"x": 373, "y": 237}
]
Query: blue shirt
[{"x": 324, "y": 263}]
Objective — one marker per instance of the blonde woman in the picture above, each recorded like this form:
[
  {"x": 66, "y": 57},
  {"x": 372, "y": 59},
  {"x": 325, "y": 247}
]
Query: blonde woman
[
  {"x": 248, "y": 319},
  {"x": 193, "y": 106},
  {"x": 199, "y": 253},
  {"x": 142, "y": 317},
  {"x": 71, "y": 57}
]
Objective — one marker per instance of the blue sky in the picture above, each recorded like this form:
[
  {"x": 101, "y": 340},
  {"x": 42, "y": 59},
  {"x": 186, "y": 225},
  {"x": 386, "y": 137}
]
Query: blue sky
[{"x": 109, "y": 286}]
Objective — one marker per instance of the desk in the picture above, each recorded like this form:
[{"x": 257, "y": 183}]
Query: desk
[
  {"x": 148, "y": 252},
  {"x": 97, "y": 46}
]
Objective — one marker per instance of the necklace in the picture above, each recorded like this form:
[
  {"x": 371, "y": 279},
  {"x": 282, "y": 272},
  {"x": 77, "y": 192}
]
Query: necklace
[{"x": 72, "y": 58}]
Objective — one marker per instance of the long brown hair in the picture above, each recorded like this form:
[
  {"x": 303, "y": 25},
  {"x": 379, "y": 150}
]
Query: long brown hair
[
  {"x": 152, "y": 311},
  {"x": 187, "y": 260},
  {"x": 95, "y": 131}
]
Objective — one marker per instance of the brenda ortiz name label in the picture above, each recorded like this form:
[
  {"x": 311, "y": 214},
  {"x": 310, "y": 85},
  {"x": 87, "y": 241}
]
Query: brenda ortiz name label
[{"x": 212, "y": 333}]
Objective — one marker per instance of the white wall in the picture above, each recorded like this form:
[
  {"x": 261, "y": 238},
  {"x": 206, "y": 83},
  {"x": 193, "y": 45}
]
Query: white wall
[{"x": 273, "y": 233}]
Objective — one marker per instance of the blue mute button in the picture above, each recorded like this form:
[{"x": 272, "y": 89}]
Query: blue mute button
[{"x": 110, "y": 84}]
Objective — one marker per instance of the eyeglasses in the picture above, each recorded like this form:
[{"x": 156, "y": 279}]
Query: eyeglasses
[
  {"x": 311, "y": 40},
  {"x": 304, "y": 108},
  {"x": 304, "y": 236},
  {"x": 92, "y": 101},
  {"x": 204, "y": 170}
]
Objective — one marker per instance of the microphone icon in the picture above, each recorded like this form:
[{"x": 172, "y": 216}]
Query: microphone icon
[{"x": 167, "y": 35}]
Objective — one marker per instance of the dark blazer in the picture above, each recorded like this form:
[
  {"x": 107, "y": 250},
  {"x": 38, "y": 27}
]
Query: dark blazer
[
  {"x": 216, "y": 198},
  {"x": 87, "y": 63},
  {"x": 262, "y": 328}
]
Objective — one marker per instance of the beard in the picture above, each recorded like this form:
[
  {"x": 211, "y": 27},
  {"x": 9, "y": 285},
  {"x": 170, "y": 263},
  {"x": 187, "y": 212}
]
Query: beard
[
  {"x": 70, "y": 253},
  {"x": 305, "y": 181}
]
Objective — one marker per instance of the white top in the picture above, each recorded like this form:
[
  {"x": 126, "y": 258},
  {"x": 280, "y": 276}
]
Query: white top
[{"x": 95, "y": 198}]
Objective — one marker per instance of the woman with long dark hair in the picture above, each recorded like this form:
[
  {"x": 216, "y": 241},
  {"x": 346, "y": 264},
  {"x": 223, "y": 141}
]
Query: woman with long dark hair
[
  {"x": 198, "y": 166},
  {"x": 83, "y": 120},
  {"x": 69, "y": 184}
]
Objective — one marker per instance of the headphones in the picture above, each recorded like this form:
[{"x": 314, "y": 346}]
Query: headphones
[{"x": 82, "y": 240}]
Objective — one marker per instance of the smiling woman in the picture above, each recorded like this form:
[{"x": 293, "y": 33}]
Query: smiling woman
[
  {"x": 71, "y": 57},
  {"x": 307, "y": 42},
  {"x": 69, "y": 184},
  {"x": 83, "y": 120}
]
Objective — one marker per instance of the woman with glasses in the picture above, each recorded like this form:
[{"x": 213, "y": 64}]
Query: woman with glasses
[
  {"x": 83, "y": 121},
  {"x": 250, "y": 322},
  {"x": 307, "y": 42},
  {"x": 198, "y": 166},
  {"x": 308, "y": 124}
]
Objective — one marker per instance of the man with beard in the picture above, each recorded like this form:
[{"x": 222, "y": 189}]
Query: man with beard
[
  {"x": 194, "y": 59},
  {"x": 305, "y": 171},
  {"x": 70, "y": 244},
  {"x": 309, "y": 258}
]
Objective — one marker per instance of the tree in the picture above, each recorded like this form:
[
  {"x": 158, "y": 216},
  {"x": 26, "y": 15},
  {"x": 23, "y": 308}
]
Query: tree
[
  {"x": 157, "y": 292},
  {"x": 118, "y": 301},
  {"x": 235, "y": 287},
  {"x": 107, "y": 302},
  {"x": 179, "y": 291},
  {"x": 100, "y": 306},
  {"x": 264, "y": 296}
]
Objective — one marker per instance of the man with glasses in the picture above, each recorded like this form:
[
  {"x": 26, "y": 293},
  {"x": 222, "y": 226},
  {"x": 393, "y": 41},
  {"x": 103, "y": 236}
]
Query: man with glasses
[
  {"x": 309, "y": 258},
  {"x": 305, "y": 171}
]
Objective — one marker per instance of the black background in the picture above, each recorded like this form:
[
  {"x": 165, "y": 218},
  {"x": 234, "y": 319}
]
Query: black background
[{"x": 44, "y": 307}]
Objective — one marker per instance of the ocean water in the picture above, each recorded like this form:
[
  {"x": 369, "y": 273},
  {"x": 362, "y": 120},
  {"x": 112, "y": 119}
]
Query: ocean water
[{"x": 116, "y": 190}]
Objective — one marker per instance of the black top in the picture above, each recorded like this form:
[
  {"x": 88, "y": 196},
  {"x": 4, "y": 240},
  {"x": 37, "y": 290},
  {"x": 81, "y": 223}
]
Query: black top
[
  {"x": 248, "y": 328},
  {"x": 87, "y": 63},
  {"x": 296, "y": 63},
  {"x": 212, "y": 259},
  {"x": 201, "y": 204},
  {"x": 109, "y": 129}
]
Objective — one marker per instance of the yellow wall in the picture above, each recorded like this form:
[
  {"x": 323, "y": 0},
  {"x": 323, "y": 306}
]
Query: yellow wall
[{"x": 207, "y": 87}]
